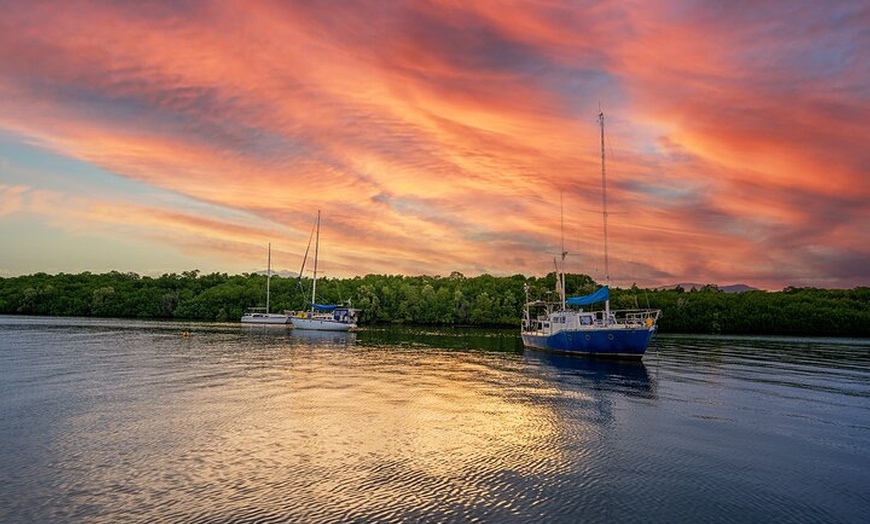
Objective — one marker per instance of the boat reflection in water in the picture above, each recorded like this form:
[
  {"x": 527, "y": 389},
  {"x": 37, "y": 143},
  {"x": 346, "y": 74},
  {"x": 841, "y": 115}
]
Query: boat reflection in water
[
  {"x": 628, "y": 377},
  {"x": 337, "y": 338}
]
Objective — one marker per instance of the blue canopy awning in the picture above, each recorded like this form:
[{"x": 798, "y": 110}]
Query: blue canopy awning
[
  {"x": 600, "y": 295},
  {"x": 324, "y": 307}
]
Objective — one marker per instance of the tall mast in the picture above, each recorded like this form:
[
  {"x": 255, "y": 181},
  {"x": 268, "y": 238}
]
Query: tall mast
[
  {"x": 268, "y": 273},
  {"x": 604, "y": 213},
  {"x": 564, "y": 253},
  {"x": 316, "y": 248}
]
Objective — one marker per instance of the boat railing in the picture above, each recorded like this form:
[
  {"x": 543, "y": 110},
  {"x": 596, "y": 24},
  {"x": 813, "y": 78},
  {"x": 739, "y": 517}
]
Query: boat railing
[
  {"x": 627, "y": 317},
  {"x": 638, "y": 317},
  {"x": 255, "y": 310}
]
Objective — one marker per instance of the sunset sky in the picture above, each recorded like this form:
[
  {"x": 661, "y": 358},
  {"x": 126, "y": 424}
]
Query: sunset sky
[{"x": 439, "y": 136}]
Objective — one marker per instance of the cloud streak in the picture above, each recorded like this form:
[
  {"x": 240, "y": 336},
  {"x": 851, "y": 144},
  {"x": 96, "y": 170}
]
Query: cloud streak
[{"x": 439, "y": 138}]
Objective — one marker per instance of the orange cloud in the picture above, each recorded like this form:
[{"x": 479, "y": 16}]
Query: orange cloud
[{"x": 438, "y": 137}]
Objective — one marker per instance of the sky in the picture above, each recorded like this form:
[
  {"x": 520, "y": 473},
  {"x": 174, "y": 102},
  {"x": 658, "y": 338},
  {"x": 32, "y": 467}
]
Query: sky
[{"x": 439, "y": 136}]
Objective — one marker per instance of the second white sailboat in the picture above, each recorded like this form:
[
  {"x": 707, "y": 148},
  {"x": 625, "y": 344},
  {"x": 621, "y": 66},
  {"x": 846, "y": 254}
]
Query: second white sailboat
[
  {"x": 261, "y": 315},
  {"x": 323, "y": 317}
]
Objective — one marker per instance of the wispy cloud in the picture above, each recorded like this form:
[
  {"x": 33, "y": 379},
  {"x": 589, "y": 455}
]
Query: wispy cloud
[{"x": 438, "y": 137}]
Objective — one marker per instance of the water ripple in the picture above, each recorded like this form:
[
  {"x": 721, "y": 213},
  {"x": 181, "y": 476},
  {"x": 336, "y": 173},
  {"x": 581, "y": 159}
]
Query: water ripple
[{"x": 124, "y": 421}]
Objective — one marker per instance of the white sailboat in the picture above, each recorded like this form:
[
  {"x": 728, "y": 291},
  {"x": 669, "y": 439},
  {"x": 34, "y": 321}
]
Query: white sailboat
[
  {"x": 323, "y": 317},
  {"x": 260, "y": 315}
]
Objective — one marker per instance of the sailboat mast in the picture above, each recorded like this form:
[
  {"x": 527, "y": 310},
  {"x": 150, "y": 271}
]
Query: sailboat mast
[
  {"x": 268, "y": 274},
  {"x": 561, "y": 271},
  {"x": 316, "y": 248},
  {"x": 604, "y": 212}
]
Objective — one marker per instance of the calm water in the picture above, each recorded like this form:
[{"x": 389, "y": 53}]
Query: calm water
[{"x": 128, "y": 421}]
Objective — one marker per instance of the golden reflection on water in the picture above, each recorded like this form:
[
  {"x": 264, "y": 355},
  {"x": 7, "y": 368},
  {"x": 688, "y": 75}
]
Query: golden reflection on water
[
  {"x": 359, "y": 430},
  {"x": 305, "y": 429},
  {"x": 112, "y": 423},
  {"x": 438, "y": 415}
]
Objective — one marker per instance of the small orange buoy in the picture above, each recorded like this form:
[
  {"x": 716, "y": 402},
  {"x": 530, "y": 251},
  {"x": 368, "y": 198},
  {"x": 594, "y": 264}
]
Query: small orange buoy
[{"x": 185, "y": 334}]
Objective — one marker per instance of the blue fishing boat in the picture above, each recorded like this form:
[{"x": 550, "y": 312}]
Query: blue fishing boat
[{"x": 566, "y": 327}]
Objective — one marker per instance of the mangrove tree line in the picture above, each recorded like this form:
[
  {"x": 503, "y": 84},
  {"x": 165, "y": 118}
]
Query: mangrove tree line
[{"x": 452, "y": 300}]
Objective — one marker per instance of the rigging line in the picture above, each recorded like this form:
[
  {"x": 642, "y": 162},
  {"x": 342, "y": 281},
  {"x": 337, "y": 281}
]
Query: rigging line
[
  {"x": 611, "y": 159},
  {"x": 305, "y": 257},
  {"x": 316, "y": 249},
  {"x": 609, "y": 145}
]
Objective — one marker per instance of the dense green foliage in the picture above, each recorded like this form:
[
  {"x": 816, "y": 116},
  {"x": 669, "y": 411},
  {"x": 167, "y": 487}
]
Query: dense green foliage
[{"x": 452, "y": 300}]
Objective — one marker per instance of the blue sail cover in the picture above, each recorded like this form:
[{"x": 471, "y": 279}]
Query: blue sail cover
[
  {"x": 324, "y": 307},
  {"x": 599, "y": 296}
]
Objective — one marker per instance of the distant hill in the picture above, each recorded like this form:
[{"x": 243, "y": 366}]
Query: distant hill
[
  {"x": 733, "y": 288},
  {"x": 282, "y": 273},
  {"x": 738, "y": 288}
]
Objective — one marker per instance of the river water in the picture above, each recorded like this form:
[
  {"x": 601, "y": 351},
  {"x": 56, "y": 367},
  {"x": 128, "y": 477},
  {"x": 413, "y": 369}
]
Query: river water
[{"x": 135, "y": 421}]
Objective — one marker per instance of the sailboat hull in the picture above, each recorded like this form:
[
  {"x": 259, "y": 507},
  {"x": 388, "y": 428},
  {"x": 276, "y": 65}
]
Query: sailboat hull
[
  {"x": 265, "y": 318},
  {"x": 320, "y": 324},
  {"x": 624, "y": 343}
]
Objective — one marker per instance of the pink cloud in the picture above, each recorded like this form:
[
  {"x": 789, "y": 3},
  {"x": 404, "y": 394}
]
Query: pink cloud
[
  {"x": 12, "y": 198},
  {"x": 439, "y": 138}
]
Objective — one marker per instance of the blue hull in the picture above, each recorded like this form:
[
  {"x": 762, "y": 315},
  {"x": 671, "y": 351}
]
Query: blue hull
[{"x": 612, "y": 343}]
